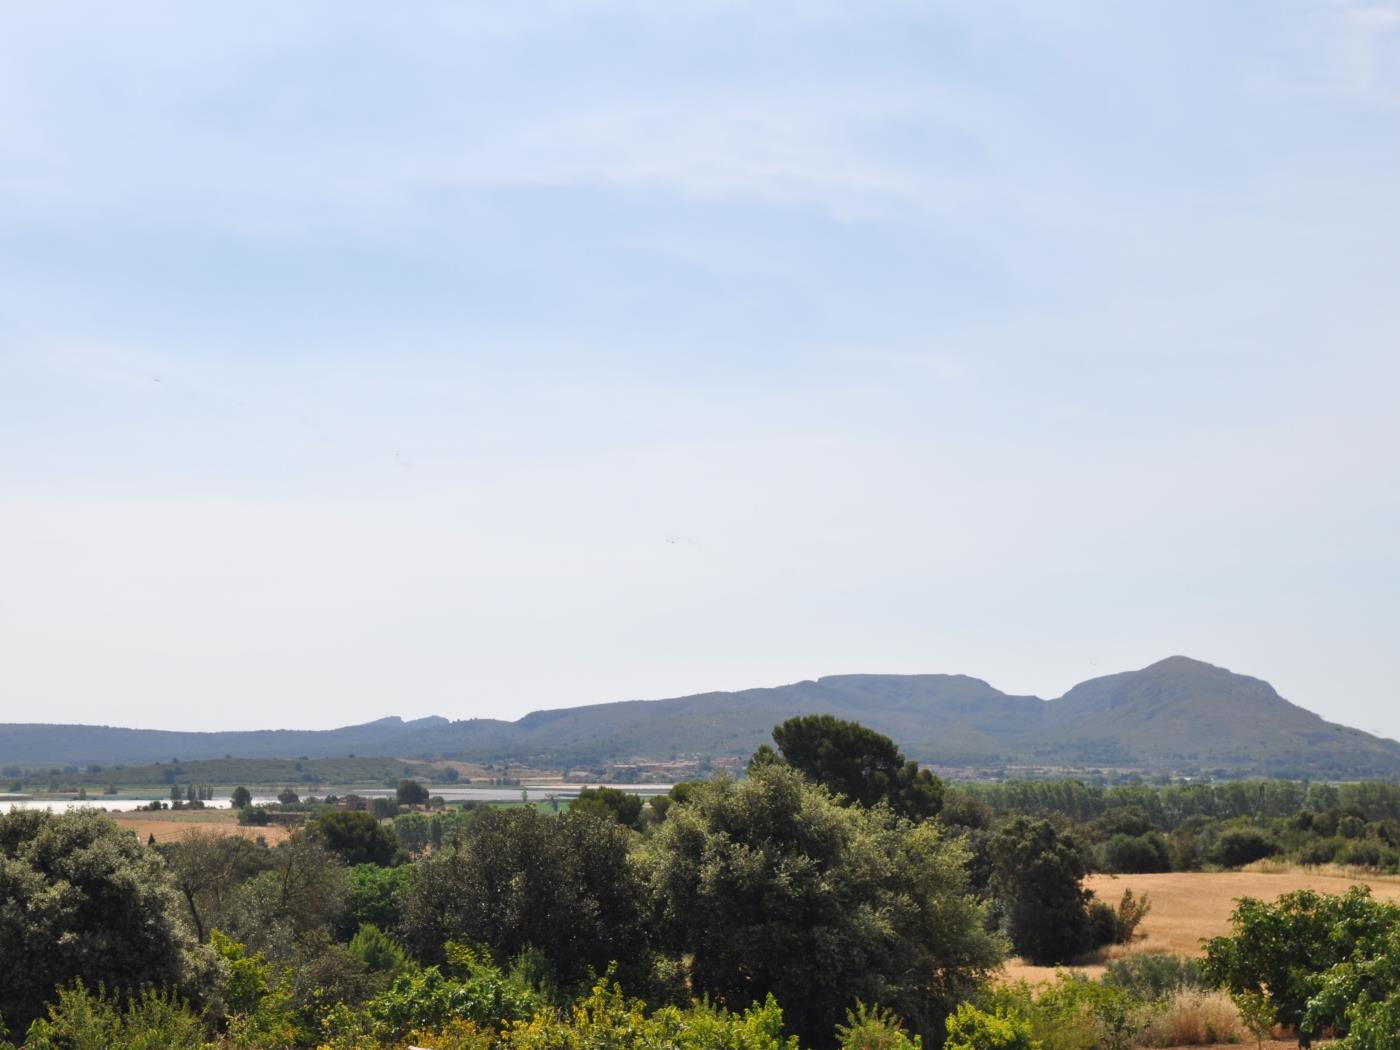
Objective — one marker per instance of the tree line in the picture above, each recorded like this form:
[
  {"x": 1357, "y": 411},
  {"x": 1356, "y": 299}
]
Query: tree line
[{"x": 836, "y": 894}]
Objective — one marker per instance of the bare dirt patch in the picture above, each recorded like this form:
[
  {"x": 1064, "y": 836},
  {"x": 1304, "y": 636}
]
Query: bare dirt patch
[
  {"x": 1188, "y": 907},
  {"x": 171, "y": 826}
]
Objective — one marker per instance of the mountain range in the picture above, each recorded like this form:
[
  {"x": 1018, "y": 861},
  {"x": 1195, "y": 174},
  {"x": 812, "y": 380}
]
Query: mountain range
[{"x": 1178, "y": 714}]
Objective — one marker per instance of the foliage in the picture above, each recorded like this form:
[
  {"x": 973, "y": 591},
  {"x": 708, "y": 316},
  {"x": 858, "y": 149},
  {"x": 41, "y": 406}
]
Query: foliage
[
  {"x": 206, "y": 868},
  {"x": 972, "y": 1029},
  {"x": 302, "y": 893},
  {"x": 606, "y": 1019},
  {"x": 1365, "y": 992},
  {"x": 1286, "y": 950},
  {"x": 862, "y": 766},
  {"x": 1037, "y": 879},
  {"x": 1110, "y": 925},
  {"x": 247, "y": 979},
  {"x": 610, "y": 804},
  {"x": 1258, "y": 1012},
  {"x": 375, "y": 895},
  {"x": 411, "y": 793},
  {"x": 1075, "y": 1013},
  {"x": 148, "y": 1020},
  {"x": 376, "y": 951},
  {"x": 1155, "y": 976},
  {"x": 355, "y": 837},
  {"x": 1237, "y": 847},
  {"x": 1132, "y": 854},
  {"x": 516, "y": 879},
  {"x": 413, "y": 832},
  {"x": 81, "y": 898},
  {"x": 769, "y": 886},
  {"x": 874, "y": 1028},
  {"x": 427, "y": 999}
]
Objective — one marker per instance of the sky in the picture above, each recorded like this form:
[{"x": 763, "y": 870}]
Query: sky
[{"x": 470, "y": 359}]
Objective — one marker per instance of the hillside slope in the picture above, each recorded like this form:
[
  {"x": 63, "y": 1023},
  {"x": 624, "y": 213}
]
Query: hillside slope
[{"x": 1178, "y": 714}]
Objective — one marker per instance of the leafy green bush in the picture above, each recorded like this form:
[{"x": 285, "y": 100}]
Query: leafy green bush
[
  {"x": 1304, "y": 944},
  {"x": 1368, "y": 853},
  {"x": 1237, "y": 847},
  {"x": 874, "y": 1028},
  {"x": 1155, "y": 976},
  {"x": 1131, "y": 854},
  {"x": 376, "y": 896},
  {"x": 972, "y": 1029},
  {"x": 427, "y": 999},
  {"x": 151, "y": 1020},
  {"x": 375, "y": 951},
  {"x": 1320, "y": 851},
  {"x": 607, "y": 1019},
  {"x": 1074, "y": 1012}
]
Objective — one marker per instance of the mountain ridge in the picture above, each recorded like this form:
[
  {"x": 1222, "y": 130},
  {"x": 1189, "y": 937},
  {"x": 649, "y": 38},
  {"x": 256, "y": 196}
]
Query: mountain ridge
[{"x": 1176, "y": 714}]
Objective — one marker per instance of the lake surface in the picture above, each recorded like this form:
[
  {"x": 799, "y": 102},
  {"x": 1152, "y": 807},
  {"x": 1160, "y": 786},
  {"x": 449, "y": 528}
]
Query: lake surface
[{"x": 464, "y": 793}]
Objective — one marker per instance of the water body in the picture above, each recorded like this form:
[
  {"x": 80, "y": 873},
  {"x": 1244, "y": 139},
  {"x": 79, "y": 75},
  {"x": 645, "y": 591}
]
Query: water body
[{"x": 540, "y": 793}]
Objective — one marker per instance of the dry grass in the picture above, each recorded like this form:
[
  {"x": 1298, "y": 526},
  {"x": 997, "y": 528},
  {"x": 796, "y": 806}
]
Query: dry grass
[
  {"x": 172, "y": 825},
  {"x": 1195, "y": 1019},
  {"x": 1188, "y": 907}
]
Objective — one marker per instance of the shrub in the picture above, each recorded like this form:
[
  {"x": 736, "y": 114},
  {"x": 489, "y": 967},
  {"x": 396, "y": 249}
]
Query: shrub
[
  {"x": 427, "y": 999},
  {"x": 1237, "y": 847},
  {"x": 1074, "y": 1013},
  {"x": 1110, "y": 925},
  {"x": 1131, "y": 854},
  {"x": 151, "y": 1021},
  {"x": 874, "y": 1028},
  {"x": 1156, "y": 976},
  {"x": 1320, "y": 851},
  {"x": 771, "y": 885},
  {"x": 1281, "y": 953},
  {"x": 375, "y": 951},
  {"x": 1193, "y": 1017},
  {"x": 376, "y": 896},
  {"x": 972, "y": 1029}
]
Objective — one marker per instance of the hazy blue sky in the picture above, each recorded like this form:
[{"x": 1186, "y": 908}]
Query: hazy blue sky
[{"x": 467, "y": 359}]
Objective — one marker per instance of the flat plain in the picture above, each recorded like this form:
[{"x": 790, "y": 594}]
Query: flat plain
[{"x": 169, "y": 826}]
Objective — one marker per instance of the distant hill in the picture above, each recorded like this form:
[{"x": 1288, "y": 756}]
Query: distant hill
[
  {"x": 1176, "y": 714},
  {"x": 40, "y": 744}
]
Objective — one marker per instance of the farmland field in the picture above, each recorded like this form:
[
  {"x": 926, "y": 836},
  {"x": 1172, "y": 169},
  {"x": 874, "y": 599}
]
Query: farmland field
[
  {"x": 171, "y": 825},
  {"x": 1190, "y": 906}
]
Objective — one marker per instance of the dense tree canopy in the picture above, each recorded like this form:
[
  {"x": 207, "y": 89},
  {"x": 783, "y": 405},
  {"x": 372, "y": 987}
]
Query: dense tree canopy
[
  {"x": 1037, "y": 877},
  {"x": 80, "y": 897},
  {"x": 355, "y": 837},
  {"x": 769, "y": 886},
  {"x": 863, "y": 766},
  {"x": 517, "y": 879},
  {"x": 611, "y": 804}
]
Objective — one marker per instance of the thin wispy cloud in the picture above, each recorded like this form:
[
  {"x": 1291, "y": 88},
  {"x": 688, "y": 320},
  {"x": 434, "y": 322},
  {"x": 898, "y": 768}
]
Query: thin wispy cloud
[{"x": 349, "y": 363}]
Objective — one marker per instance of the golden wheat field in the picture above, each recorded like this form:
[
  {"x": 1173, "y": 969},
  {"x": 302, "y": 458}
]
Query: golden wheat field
[
  {"x": 171, "y": 825},
  {"x": 1188, "y": 907}
]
